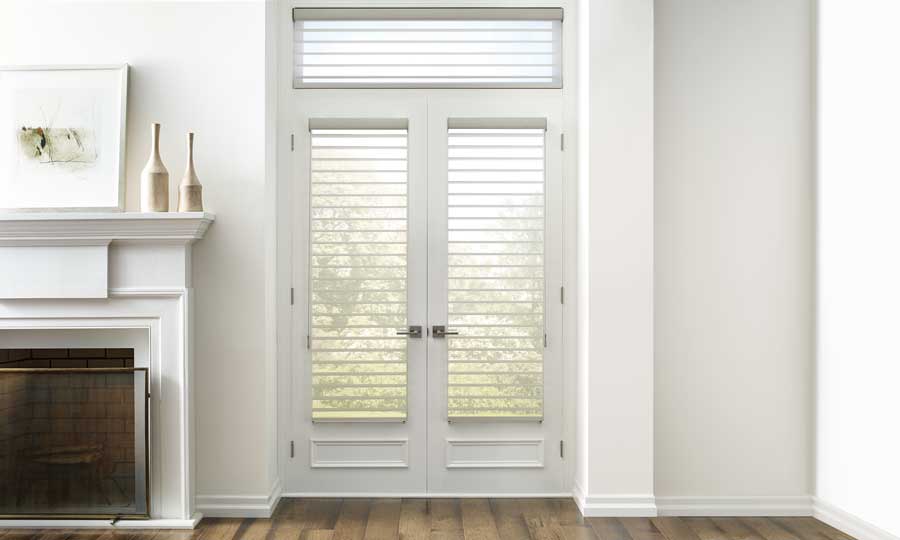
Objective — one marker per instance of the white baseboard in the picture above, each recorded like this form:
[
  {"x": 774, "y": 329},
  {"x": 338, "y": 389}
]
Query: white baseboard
[
  {"x": 101, "y": 524},
  {"x": 613, "y": 505},
  {"x": 240, "y": 506},
  {"x": 800, "y": 505},
  {"x": 848, "y": 523}
]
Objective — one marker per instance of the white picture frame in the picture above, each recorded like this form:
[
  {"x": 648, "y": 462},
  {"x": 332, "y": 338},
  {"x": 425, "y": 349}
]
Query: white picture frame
[{"x": 62, "y": 138}]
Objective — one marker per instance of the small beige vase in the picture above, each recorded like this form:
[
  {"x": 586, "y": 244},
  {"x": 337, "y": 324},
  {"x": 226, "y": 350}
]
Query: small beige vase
[
  {"x": 190, "y": 192},
  {"x": 154, "y": 178}
]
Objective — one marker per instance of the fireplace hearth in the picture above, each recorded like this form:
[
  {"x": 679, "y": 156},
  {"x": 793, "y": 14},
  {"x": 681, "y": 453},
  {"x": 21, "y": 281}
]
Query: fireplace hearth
[{"x": 73, "y": 436}]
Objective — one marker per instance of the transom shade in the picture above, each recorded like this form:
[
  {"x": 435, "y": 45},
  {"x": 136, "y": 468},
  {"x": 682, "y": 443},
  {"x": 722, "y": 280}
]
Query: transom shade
[{"x": 427, "y": 48}]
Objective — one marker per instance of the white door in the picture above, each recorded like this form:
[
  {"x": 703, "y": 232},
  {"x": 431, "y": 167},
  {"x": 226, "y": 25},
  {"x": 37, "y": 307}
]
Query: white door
[
  {"x": 431, "y": 209},
  {"x": 360, "y": 247},
  {"x": 495, "y": 254}
]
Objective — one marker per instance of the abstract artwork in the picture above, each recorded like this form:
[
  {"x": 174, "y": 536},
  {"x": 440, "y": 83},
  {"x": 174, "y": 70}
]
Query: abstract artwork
[{"x": 62, "y": 138}]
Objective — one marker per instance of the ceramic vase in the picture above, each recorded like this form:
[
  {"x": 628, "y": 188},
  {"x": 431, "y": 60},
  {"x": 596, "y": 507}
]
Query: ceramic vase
[
  {"x": 154, "y": 178},
  {"x": 190, "y": 192}
]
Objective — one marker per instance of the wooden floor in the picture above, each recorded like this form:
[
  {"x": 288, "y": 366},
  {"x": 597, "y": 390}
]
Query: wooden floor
[{"x": 456, "y": 519}]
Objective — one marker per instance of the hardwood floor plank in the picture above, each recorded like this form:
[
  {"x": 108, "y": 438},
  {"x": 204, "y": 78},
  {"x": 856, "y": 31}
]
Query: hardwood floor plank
[
  {"x": 673, "y": 528},
  {"x": 22, "y": 534},
  {"x": 608, "y": 528},
  {"x": 641, "y": 528},
  {"x": 220, "y": 528},
  {"x": 288, "y": 517},
  {"x": 415, "y": 523},
  {"x": 706, "y": 529},
  {"x": 384, "y": 520},
  {"x": 542, "y": 518},
  {"x": 509, "y": 519},
  {"x": 829, "y": 531},
  {"x": 544, "y": 528},
  {"x": 477, "y": 519},
  {"x": 579, "y": 532},
  {"x": 166, "y": 534},
  {"x": 316, "y": 534},
  {"x": 446, "y": 519},
  {"x": 256, "y": 529},
  {"x": 768, "y": 529},
  {"x": 801, "y": 529},
  {"x": 289, "y": 507},
  {"x": 321, "y": 513},
  {"x": 352, "y": 519},
  {"x": 568, "y": 512},
  {"x": 736, "y": 530}
]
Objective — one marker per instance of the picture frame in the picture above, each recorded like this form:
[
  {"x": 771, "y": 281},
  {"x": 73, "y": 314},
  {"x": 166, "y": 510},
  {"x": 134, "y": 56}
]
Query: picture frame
[{"x": 62, "y": 138}]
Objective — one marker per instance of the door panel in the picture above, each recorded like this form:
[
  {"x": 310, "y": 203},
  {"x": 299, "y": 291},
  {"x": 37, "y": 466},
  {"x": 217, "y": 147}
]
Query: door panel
[
  {"x": 359, "y": 400},
  {"x": 495, "y": 407}
]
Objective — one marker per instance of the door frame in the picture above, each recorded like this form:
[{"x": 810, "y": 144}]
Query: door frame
[{"x": 288, "y": 347}]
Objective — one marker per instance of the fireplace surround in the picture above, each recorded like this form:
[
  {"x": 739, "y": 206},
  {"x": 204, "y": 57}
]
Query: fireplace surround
[{"x": 119, "y": 280}]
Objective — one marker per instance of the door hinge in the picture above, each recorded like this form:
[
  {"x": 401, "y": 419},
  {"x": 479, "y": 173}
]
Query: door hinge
[
  {"x": 308, "y": 342},
  {"x": 292, "y": 296},
  {"x": 562, "y": 452},
  {"x": 292, "y": 449},
  {"x": 562, "y": 295},
  {"x": 545, "y": 340},
  {"x": 562, "y": 141},
  {"x": 292, "y": 142}
]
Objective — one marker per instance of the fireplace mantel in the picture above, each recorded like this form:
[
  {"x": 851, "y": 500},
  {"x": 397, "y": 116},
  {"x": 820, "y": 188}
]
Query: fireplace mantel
[
  {"x": 65, "y": 228},
  {"x": 84, "y": 255}
]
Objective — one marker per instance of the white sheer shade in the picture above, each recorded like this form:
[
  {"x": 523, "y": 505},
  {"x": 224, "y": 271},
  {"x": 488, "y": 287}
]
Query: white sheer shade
[
  {"x": 358, "y": 270},
  {"x": 421, "y": 47},
  {"x": 496, "y": 213}
]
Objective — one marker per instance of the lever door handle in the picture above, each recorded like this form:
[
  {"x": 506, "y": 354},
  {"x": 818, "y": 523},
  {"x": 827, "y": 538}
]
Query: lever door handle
[
  {"x": 412, "y": 331},
  {"x": 440, "y": 330}
]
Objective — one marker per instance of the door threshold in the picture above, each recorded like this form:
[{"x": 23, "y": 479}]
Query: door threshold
[{"x": 420, "y": 494}]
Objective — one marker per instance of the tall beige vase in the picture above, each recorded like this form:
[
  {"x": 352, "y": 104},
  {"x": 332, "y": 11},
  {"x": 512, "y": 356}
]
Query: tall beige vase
[
  {"x": 154, "y": 178},
  {"x": 190, "y": 192}
]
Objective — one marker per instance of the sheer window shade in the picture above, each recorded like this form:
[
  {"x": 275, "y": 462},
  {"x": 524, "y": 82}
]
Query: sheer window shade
[
  {"x": 358, "y": 269},
  {"x": 427, "y": 48},
  {"x": 496, "y": 269}
]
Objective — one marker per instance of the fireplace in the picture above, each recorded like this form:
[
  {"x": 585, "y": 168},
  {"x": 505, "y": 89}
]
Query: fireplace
[
  {"x": 109, "y": 282},
  {"x": 74, "y": 439}
]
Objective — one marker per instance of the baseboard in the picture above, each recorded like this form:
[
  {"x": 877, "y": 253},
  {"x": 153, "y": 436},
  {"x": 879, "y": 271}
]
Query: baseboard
[
  {"x": 800, "y": 505},
  {"x": 101, "y": 524},
  {"x": 240, "y": 506},
  {"x": 848, "y": 523},
  {"x": 614, "y": 505}
]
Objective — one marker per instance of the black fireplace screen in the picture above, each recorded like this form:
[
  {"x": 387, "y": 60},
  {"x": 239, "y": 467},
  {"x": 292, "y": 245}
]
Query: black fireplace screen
[{"x": 73, "y": 442}]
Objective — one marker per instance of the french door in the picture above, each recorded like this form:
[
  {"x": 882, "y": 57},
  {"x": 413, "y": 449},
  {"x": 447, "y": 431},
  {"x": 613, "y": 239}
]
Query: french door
[{"x": 427, "y": 234}]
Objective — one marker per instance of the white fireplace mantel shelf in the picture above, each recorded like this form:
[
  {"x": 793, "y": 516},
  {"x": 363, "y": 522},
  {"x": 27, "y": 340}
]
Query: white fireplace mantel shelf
[
  {"x": 69, "y": 228},
  {"x": 87, "y": 255}
]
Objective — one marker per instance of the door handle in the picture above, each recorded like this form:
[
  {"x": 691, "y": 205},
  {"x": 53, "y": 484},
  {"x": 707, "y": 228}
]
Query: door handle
[
  {"x": 440, "y": 330},
  {"x": 412, "y": 331}
]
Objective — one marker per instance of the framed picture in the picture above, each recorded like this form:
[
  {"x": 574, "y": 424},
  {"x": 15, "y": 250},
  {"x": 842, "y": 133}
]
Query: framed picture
[{"x": 62, "y": 138}]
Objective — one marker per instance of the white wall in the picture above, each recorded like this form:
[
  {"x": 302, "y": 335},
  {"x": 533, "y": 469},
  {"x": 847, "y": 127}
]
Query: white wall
[
  {"x": 858, "y": 447},
  {"x": 734, "y": 252},
  {"x": 614, "y": 472},
  {"x": 194, "y": 66}
]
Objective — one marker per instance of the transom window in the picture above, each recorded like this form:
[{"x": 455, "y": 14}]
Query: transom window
[{"x": 427, "y": 48}]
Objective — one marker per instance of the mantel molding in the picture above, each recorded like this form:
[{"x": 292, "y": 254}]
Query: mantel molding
[{"x": 41, "y": 229}]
